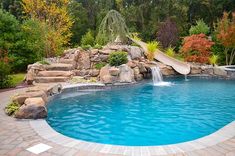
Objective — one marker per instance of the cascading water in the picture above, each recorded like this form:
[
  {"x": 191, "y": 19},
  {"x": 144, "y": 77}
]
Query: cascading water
[{"x": 157, "y": 77}]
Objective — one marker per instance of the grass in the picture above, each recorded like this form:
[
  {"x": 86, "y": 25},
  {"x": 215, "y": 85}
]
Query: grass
[{"x": 17, "y": 78}]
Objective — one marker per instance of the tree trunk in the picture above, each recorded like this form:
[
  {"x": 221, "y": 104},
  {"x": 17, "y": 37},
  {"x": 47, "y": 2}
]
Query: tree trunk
[
  {"x": 232, "y": 56},
  {"x": 226, "y": 55}
]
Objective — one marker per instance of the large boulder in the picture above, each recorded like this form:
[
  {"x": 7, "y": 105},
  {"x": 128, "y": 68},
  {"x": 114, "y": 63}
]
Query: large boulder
[
  {"x": 196, "y": 69},
  {"x": 84, "y": 60},
  {"x": 142, "y": 68},
  {"x": 126, "y": 74},
  {"x": 29, "y": 78},
  {"x": 49, "y": 89},
  {"x": 82, "y": 72},
  {"x": 94, "y": 72},
  {"x": 114, "y": 71},
  {"x": 207, "y": 69},
  {"x": 20, "y": 99},
  {"x": 104, "y": 58},
  {"x": 135, "y": 52},
  {"x": 220, "y": 72},
  {"x": 132, "y": 64},
  {"x": 34, "y": 108},
  {"x": 105, "y": 75},
  {"x": 106, "y": 51},
  {"x": 168, "y": 71}
]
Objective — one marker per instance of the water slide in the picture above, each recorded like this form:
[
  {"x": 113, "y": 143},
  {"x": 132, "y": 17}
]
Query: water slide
[{"x": 179, "y": 66}]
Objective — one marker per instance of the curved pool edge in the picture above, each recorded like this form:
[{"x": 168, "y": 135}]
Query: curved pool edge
[
  {"x": 47, "y": 132},
  {"x": 44, "y": 130}
]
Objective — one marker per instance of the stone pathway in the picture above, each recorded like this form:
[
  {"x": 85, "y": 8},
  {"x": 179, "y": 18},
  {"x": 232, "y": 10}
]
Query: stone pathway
[{"x": 18, "y": 135}]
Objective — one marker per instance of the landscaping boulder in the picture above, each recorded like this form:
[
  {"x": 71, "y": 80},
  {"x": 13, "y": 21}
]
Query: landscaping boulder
[
  {"x": 82, "y": 72},
  {"x": 94, "y": 72},
  {"x": 106, "y": 51},
  {"x": 220, "y": 72},
  {"x": 139, "y": 77},
  {"x": 20, "y": 99},
  {"x": 126, "y": 74},
  {"x": 135, "y": 52},
  {"x": 132, "y": 64},
  {"x": 167, "y": 71},
  {"x": 30, "y": 77},
  {"x": 114, "y": 71},
  {"x": 48, "y": 89},
  {"x": 84, "y": 60},
  {"x": 105, "y": 76},
  {"x": 104, "y": 58},
  {"x": 34, "y": 108},
  {"x": 142, "y": 68},
  {"x": 196, "y": 69}
]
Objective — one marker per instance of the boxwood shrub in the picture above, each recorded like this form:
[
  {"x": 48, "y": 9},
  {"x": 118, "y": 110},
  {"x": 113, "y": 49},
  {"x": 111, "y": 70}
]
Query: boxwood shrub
[{"x": 118, "y": 58}]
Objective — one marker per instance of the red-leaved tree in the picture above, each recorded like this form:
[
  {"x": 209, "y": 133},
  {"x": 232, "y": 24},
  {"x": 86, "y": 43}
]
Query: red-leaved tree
[
  {"x": 226, "y": 35},
  {"x": 197, "y": 48}
]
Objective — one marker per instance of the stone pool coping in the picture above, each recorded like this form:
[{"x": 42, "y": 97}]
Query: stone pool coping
[{"x": 44, "y": 130}]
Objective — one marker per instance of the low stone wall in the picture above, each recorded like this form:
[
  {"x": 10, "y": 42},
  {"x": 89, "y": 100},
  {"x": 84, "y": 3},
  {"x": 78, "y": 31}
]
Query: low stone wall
[{"x": 214, "y": 71}]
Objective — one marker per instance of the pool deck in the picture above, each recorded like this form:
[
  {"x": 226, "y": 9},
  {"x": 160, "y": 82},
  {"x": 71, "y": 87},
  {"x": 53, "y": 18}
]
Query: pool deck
[{"x": 18, "y": 135}]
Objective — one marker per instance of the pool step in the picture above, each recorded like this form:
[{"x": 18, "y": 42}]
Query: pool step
[{"x": 51, "y": 79}]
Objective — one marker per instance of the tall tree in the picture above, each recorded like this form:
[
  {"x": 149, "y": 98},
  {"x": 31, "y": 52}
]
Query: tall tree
[
  {"x": 55, "y": 15},
  {"x": 226, "y": 35}
]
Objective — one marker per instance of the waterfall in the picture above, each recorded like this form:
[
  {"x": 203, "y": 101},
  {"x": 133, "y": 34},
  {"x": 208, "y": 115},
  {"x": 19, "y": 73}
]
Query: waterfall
[{"x": 157, "y": 77}]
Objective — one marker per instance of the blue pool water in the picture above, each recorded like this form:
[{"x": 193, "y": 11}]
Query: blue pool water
[{"x": 145, "y": 115}]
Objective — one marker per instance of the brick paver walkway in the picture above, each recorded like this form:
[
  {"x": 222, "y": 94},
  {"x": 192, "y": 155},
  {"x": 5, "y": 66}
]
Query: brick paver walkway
[{"x": 17, "y": 135}]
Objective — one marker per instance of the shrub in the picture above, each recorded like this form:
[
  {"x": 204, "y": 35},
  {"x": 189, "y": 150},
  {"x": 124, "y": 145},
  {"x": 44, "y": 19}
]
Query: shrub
[
  {"x": 218, "y": 49},
  {"x": 12, "y": 108},
  {"x": 213, "y": 59},
  {"x": 88, "y": 39},
  {"x": 197, "y": 48},
  {"x": 168, "y": 33},
  {"x": 86, "y": 47},
  {"x": 170, "y": 52},
  {"x": 152, "y": 47},
  {"x": 5, "y": 79},
  {"x": 101, "y": 40},
  {"x": 118, "y": 58},
  {"x": 97, "y": 46},
  {"x": 100, "y": 65},
  {"x": 199, "y": 28}
]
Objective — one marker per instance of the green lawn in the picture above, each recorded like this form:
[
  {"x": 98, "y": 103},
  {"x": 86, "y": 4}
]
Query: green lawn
[{"x": 17, "y": 78}]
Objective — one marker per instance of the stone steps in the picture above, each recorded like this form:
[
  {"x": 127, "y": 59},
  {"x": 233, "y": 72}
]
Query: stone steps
[
  {"x": 55, "y": 73},
  {"x": 51, "y": 79},
  {"x": 66, "y": 61},
  {"x": 59, "y": 67}
]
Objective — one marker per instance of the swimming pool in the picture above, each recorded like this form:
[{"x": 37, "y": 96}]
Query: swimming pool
[{"x": 144, "y": 115}]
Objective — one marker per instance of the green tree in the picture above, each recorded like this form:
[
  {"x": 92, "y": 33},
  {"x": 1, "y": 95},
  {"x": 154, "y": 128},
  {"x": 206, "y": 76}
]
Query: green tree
[
  {"x": 113, "y": 26},
  {"x": 32, "y": 45},
  {"x": 81, "y": 23},
  {"x": 199, "y": 28},
  {"x": 9, "y": 30},
  {"x": 88, "y": 39}
]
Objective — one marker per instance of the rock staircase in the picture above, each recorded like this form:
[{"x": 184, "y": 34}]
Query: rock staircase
[{"x": 56, "y": 72}]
